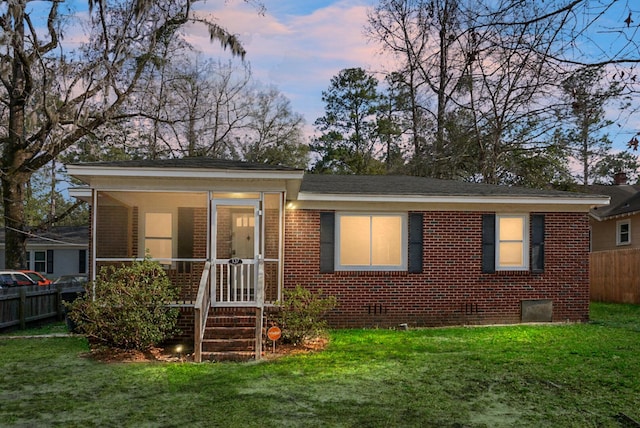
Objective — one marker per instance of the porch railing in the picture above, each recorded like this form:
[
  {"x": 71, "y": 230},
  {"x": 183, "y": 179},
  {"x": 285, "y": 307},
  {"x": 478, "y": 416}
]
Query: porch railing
[
  {"x": 235, "y": 283},
  {"x": 201, "y": 311}
]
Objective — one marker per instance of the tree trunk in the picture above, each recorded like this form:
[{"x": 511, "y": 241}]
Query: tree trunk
[
  {"x": 15, "y": 239},
  {"x": 13, "y": 156}
]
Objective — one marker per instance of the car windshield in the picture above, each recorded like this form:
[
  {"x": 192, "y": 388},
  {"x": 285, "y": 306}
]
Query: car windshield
[{"x": 33, "y": 276}]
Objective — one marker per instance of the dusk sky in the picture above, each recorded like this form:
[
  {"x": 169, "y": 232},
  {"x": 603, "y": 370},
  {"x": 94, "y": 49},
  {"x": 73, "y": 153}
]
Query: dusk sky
[{"x": 297, "y": 46}]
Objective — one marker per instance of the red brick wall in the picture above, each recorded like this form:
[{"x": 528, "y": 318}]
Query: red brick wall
[
  {"x": 452, "y": 289},
  {"x": 113, "y": 232}
]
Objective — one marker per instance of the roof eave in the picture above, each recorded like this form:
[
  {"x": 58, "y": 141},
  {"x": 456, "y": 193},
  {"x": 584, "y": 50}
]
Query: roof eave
[
  {"x": 461, "y": 199},
  {"x": 82, "y": 172},
  {"x": 614, "y": 216}
]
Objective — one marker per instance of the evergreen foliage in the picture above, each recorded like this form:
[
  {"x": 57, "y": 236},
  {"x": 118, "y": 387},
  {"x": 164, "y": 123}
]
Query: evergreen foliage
[{"x": 130, "y": 307}]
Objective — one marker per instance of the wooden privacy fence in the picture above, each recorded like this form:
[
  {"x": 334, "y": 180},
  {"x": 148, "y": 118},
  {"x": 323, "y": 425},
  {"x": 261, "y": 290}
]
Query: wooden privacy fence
[
  {"x": 615, "y": 276},
  {"x": 23, "y": 305}
]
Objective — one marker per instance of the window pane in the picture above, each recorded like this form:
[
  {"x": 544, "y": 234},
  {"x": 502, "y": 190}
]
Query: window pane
[
  {"x": 40, "y": 261},
  {"x": 511, "y": 228},
  {"x": 354, "y": 240},
  {"x": 386, "y": 245},
  {"x": 624, "y": 233},
  {"x": 158, "y": 248},
  {"x": 158, "y": 225},
  {"x": 511, "y": 254}
]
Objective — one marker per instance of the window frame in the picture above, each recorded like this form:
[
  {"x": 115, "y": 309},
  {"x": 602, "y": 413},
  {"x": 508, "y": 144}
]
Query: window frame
[
  {"x": 43, "y": 261},
  {"x": 170, "y": 239},
  {"x": 619, "y": 224},
  {"x": 525, "y": 243},
  {"x": 404, "y": 242}
]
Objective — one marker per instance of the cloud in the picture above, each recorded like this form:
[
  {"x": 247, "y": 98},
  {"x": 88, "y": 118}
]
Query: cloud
[{"x": 294, "y": 49}]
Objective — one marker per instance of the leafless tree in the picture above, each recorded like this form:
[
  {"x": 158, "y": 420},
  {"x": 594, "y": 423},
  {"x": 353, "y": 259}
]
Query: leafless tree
[
  {"x": 274, "y": 132},
  {"x": 502, "y": 63},
  {"x": 52, "y": 97}
]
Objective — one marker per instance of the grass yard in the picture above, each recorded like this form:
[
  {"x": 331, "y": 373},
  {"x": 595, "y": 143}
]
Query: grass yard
[{"x": 528, "y": 375}]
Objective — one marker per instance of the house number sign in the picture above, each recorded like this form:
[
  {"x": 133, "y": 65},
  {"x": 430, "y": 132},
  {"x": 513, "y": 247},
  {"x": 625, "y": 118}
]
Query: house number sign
[{"x": 235, "y": 261}]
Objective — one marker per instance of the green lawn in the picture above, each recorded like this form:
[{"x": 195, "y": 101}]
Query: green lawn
[{"x": 536, "y": 375}]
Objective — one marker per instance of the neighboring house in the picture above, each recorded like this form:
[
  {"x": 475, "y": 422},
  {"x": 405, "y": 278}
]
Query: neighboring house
[
  {"x": 393, "y": 250},
  {"x": 616, "y": 226},
  {"x": 59, "y": 250},
  {"x": 615, "y": 243}
]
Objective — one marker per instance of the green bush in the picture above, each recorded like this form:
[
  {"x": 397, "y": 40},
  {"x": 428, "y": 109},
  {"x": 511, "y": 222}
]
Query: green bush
[
  {"x": 130, "y": 307},
  {"x": 301, "y": 312}
]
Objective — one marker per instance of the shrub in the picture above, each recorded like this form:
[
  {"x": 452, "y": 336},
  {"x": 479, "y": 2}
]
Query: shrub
[
  {"x": 300, "y": 317},
  {"x": 130, "y": 307}
]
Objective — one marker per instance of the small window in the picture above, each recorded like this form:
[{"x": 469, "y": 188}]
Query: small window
[
  {"x": 512, "y": 238},
  {"x": 371, "y": 242},
  {"x": 158, "y": 233},
  {"x": 40, "y": 261},
  {"x": 623, "y": 232}
]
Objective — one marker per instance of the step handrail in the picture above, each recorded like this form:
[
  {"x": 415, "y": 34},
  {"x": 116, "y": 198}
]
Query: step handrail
[{"x": 201, "y": 312}]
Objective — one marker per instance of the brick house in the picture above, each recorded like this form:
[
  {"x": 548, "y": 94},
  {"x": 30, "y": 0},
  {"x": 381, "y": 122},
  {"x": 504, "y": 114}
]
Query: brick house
[{"x": 393, "y": 250}]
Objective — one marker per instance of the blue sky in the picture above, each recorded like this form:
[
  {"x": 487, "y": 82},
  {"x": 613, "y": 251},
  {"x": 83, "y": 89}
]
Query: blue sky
[{"x": 297, "y": 45}]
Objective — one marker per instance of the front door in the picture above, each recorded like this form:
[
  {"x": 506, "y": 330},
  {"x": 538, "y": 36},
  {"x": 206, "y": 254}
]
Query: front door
[{"x": 236, "y": 252}]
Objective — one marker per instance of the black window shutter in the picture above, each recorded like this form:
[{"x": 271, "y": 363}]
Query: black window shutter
[
  {"x": 537, "y": 243},
  {"x": 82, "y": 261},
  {"x": 415, "y": 243},
  {"x": 327, "y": 241},
  {"x": 488, "y": 243},
  {"x": 49, "y": 261},
  {"x": 185, "y": 232}
]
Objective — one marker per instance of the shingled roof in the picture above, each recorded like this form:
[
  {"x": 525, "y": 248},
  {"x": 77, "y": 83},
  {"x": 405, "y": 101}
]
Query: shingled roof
[
  {"x": 419, "y": 186},
  {"x": 189, "y": 163},
  {"x": 56, "y": 236},
  {"x": 625, "y": 199},
  {"x": 316, "y": 185}
]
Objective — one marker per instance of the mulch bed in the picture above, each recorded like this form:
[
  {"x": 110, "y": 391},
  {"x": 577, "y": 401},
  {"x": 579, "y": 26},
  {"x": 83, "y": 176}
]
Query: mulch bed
[{"x": 157, "y": 354}]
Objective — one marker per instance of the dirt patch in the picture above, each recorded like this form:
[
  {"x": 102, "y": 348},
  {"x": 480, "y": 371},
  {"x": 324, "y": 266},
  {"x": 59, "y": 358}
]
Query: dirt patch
[
  {"x": 309, "y": 346},
  {"x": 157, "y": 354}
]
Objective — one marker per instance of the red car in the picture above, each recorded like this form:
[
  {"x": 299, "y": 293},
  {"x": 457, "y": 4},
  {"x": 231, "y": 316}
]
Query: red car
[
  {"x": 15, "y": 279},
  {"x": 37, "y": 277}
]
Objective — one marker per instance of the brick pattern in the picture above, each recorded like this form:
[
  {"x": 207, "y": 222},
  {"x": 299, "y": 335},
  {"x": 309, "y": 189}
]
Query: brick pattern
[
  {"x": 185, "y": 326},
  {"x": 113, "y": 232},
  {"x": 452, "y": 289}
]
